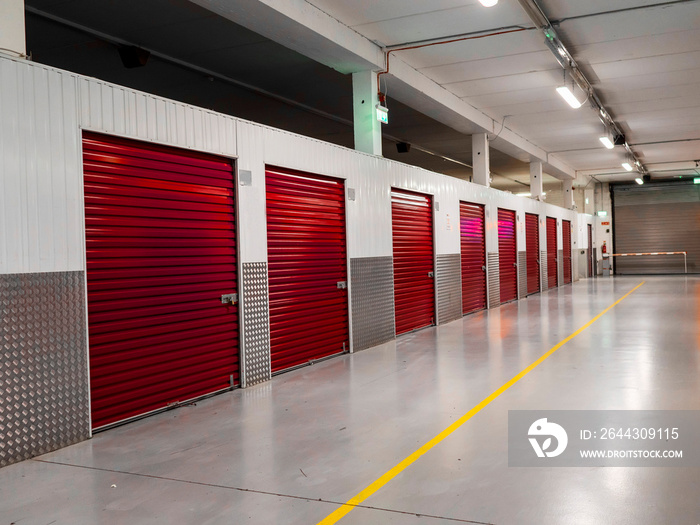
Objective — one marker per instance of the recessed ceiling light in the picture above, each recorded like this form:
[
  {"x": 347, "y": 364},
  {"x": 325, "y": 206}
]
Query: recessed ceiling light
[{"x": 488, "y": 3}]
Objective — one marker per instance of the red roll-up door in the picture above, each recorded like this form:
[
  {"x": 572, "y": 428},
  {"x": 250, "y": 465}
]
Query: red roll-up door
[
  {"x": 161, "y": 251},
  {"x": 532, "y": 248},
  {"x": 552, "y": 279},
  {"x": 566, "y": 238},
  {"x": 591, "y": 253},
  {"x": 414, "y": 289},
  {"x": 473, "y": 248},
  {"x": 507, "y": 255},
  {"x": 307, "y": 259}
]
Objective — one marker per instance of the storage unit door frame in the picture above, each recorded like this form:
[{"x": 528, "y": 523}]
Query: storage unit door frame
[
  {"x": 307, "y": 266},
  {"x": 552, "y": 266},
  {"x": 473, "y": 256},
  {"x": 566, "y": 242},
  {"x": 532, "y": 249},
  {"x": 507, "y": 255},
  {"x": 414, "y": 260},
  {"x": 161, "y": 252}
]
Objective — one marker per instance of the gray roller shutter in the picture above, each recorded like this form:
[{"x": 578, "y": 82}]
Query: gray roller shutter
[{"x": 657, "y": 218}]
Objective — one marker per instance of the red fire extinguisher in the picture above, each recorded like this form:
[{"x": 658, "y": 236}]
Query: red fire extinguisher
[{"x": 604, "y": 249}]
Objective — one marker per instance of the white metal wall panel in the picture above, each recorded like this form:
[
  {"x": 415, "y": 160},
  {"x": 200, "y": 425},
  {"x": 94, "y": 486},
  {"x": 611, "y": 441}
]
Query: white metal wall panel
[{"x": 40, "y": 177}]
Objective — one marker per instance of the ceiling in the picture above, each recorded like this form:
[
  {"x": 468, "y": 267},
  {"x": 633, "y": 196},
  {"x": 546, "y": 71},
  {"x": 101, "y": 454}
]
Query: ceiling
[{"x": 246, "y": 59}]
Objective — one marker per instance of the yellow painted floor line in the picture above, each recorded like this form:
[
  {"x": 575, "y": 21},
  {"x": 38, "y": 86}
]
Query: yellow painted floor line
[{"x": 377, "y": 484}]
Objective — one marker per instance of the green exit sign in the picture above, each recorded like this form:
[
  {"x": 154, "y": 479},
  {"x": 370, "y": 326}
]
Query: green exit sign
[
  {"x": 382, "y": 114},
  {"x": 696, "y": 180}
]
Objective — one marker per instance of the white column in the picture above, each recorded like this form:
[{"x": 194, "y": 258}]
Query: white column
[
  {"x": 368, "y": 130},
  {"x": 480, "y": 159},
  {"x": 536, "y": 180},
  {"x": 12, "y": 34},
  {"x": 568, "y": 186}
]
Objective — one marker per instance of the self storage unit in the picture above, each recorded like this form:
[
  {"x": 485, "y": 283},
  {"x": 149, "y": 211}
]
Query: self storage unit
[
  {"x": 507, "y": 253},
  {"x": 155, "y": 224},
  {"x": 532, "y": 242},
  {"x": 552, "y": 263}
]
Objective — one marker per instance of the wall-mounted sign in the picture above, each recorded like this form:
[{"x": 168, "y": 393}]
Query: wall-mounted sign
[{"x": 605, "y": 223}]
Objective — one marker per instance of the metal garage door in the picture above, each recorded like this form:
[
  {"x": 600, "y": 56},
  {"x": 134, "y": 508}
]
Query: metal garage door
[
  {"x": 532, "y": 248},
  {"x": 307, "y": 260},
  {"x": 161, "y": 251},
  {"x": 566, "y": 238},
  {"x": 591, "y": 252},
  {"x": 552, "y": 279},
  {"x": 473, "y": 255},
  {"x": 507, "y": 254},
  {"x": 657, "y": 217},
  {"x": 414, "y": 286}
]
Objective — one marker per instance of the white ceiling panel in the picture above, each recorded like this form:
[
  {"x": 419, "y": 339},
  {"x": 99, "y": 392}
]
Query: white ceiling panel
[
  {"x": 558, "y": 9},
  {"x": 681, "y": 151},
  {"x": 507, "y": 84},
  {"x": 657, "y": 65}
]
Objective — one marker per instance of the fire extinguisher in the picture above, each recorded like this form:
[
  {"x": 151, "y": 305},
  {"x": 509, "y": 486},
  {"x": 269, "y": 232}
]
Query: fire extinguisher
[{"x": 604, "y": 249}]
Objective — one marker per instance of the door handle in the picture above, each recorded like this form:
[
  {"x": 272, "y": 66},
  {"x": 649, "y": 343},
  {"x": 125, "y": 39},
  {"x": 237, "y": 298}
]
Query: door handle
[{"x": 229, "y": 298}]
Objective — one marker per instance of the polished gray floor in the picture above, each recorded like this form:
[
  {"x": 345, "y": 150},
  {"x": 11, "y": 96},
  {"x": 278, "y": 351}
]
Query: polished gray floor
[{"x": 291, "y": 450}]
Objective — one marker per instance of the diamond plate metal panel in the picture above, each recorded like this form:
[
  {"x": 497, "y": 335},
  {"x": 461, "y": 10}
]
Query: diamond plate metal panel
[
  {"x": 449, "y": 288},
  {"x": 560, "y": 267},
  {"x": 372, "y": 291},
  {"x": 522, "y": 275},
  {"x": 492, "y": 265},
  {"x": 256, "y": 324},
  {"x": 45, "y": 402},
  {"x": 544, "y": 281}
]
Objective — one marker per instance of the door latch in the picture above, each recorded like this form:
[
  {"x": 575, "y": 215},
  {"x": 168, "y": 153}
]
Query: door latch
[
  {"x": 431, "y": 274},
  {"x": 229, "y": 298},
  {"x": 342, "y": 285},
  {"x": 483, "y": 268}
]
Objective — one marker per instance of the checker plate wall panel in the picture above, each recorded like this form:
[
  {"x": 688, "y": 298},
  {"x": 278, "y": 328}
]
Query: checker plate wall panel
[
  {"x": 256, "y": 326},
  {"x": 449, "y": 287},
  {"x": 372, "y": 298},
  {"x": 494, "y": 280},
  {"x": 522, "y": 274},
  {"x": 544, "y": 285},
  {"x": 44, "y": 403}
]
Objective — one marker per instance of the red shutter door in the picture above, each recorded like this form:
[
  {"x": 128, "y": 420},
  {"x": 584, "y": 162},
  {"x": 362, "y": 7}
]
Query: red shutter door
[
  {"x": 507, "y": 255},
  {"x": 412, "y": 230},
  {"x": 552, "y": 252},
  {"x": 473, "y": 248},
  {"x": 590, "y": 251},
  {"x": 532, "y": 247},
  {"x": 566, "y": 237},
  {"x": 161, "y": 251},
  {"x": 307, "y": 258}
]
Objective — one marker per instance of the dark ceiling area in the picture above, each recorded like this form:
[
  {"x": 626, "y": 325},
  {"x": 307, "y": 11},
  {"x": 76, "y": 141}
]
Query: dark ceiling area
[{"x": 202, "y": 59}]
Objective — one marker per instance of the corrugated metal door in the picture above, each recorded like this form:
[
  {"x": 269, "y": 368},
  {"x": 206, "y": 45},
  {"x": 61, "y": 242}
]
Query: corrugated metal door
[
  {"x": 552, "y": 279},
  {"x": 414, "y": 287},
  {"x": 566, "y": 238},
  {"x": 161, "y": 251},
  {"x": 507, "y": 255},
  {"x": 473, "y": 249},
  {"x": 656, "y": 217},
  {"x": 532, "y": 248},
  {"x": 591, "y": 252},
  {"x": 307, "y": 260}
]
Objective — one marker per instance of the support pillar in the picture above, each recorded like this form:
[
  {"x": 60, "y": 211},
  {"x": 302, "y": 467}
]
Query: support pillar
[
  {"x": 568, "y": 194},
  {"x": 368, "y": 130},
  {"x": 536, "y": 180},
  {"x": 12, "y": 32},
  {"x": 480, "y": 159}
]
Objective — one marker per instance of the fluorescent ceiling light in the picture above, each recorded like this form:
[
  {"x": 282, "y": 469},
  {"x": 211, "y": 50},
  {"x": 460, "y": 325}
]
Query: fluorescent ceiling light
[
  {"x": 602, "y": 213},
  {"x": 627, "y": 166},
  {"x": 524, "y": 194},
  {"x": 488, "y": 3},
  {"x": 607, "y": 142},
  {"x": 639, "y": 181},
  {"x": 567, "y": 95}
]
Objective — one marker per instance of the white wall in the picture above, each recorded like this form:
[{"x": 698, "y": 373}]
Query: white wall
[
  {"x": 12, "y": 33},
  {"x": 41, "y": 177}
]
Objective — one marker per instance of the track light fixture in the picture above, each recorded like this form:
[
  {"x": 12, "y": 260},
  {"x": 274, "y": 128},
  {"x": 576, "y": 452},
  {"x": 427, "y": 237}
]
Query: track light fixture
[
  {"x": 567, "y": 93},
  {"x": 639, "y": 181}
]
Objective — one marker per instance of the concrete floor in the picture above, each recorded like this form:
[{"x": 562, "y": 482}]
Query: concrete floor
[{"x": 290, "y": 451}]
